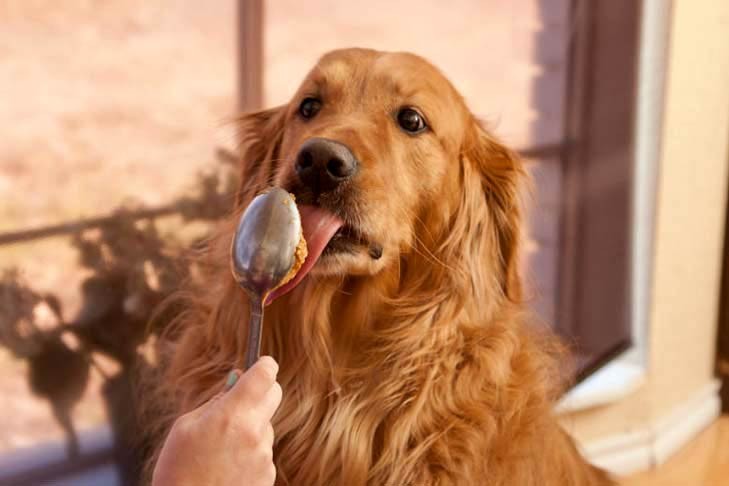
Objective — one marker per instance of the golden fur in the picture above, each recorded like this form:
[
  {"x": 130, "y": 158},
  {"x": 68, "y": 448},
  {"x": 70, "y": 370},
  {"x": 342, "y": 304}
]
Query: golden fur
[{"x": 419, "y": 368}]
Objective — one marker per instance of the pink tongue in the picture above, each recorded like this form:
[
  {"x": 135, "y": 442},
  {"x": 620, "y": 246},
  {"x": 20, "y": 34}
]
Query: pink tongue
[{"x": 319, "y": 226}]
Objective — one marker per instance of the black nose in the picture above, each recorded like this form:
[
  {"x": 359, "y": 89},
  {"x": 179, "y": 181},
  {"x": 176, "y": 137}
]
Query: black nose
[{"x": 323, "y": 164}]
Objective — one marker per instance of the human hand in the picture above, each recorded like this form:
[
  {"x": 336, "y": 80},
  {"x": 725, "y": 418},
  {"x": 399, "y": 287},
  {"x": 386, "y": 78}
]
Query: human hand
[{"x": 229, "y": 439}]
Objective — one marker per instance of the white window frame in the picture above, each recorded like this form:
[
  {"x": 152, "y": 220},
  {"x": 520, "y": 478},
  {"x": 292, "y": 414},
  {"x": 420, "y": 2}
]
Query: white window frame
[{"x": 626, "y": 373}]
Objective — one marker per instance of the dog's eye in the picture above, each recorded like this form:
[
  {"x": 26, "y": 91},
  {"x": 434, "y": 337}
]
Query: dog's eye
[
  {"x": 309, "y": 107},
  {"x": 411, "y": 121}
]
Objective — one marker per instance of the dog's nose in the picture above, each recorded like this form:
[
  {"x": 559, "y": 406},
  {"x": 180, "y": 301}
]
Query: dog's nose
[{"x": 323, "y": 164}]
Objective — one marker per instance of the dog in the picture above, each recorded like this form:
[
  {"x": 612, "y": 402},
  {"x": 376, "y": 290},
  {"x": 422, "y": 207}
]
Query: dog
[{"x": 407, "y": 355}]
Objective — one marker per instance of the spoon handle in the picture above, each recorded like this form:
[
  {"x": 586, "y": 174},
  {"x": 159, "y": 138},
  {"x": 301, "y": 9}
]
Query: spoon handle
[{"x": 255, "y": 325}]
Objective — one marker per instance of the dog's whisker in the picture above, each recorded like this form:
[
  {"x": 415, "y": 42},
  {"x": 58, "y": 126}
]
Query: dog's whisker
[
  {"x": 433, "y": 256},
  {"x": 344, "y": 292},
  {"x": 430, "y": 255},
  {"x": 423, "y": 225}
]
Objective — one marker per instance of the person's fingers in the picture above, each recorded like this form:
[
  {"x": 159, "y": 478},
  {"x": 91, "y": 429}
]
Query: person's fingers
[
  {"x": 231, "y": 379},
  {"x": 268, "y": 435},
  {"x": 202, "y": 408},
  {"x": 261, "y": 415},
  {"x": 270, "y": 402},
  {"x": 253, "y": 385}
]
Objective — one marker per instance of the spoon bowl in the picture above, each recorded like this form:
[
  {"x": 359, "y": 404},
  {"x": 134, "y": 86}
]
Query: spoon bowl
[{"x": 263, "y": 253}]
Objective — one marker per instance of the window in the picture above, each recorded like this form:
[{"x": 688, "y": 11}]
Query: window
[
  {"x": 105, "y": 106},
  {"x": 555, "y": 79}
]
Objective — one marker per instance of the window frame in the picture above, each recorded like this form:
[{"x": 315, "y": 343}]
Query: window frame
[
  {"x": 643, "y": 42},
  {"x": 626, "y": 372}
]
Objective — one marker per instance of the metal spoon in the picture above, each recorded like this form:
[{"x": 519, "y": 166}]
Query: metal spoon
[{"x": 263, "y": 253}]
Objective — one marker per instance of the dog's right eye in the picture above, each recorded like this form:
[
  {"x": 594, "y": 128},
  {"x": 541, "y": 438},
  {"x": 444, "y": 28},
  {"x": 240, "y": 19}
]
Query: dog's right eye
[{"x": 309, "y": 107}]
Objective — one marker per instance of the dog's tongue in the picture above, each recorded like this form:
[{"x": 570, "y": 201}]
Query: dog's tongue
[{"x": 318, "y": 226}]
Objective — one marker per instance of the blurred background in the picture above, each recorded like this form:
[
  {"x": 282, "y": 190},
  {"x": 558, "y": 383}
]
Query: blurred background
[{"x": 119, "y": 157}]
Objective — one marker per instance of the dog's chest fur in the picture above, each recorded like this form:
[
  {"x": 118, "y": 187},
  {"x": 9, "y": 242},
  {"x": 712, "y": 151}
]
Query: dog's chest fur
[{"x": 452, "y": 405}]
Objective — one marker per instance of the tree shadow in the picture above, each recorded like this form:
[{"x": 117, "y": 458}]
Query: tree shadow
[{"x": 133, "y": 269}]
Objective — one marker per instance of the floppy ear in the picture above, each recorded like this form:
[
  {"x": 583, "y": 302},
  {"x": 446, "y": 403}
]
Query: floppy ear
[
  {"x": 502, "y": 175},
  {"x": 259, "y": 135}
]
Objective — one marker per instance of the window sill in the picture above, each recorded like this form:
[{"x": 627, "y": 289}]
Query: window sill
[
  {"x": 48, "y": 463},
  {"x": 614, "y": 381}
]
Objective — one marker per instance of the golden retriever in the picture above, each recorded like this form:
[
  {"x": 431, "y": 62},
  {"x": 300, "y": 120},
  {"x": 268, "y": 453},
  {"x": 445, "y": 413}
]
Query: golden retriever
[{"x": 406, "y": 353}]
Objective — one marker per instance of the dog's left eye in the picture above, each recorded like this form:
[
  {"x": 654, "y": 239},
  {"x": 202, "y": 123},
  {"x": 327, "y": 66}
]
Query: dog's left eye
[{"x": 411, "y": 121}]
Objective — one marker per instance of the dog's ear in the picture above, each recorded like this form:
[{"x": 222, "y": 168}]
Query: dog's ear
[
  {"x": 501, "y": 173},
  {"x": 259, "y": 135}
]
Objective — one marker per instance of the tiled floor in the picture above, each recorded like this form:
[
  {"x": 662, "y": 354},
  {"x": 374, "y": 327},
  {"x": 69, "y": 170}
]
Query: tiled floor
[{"x": 704, "y": 462}]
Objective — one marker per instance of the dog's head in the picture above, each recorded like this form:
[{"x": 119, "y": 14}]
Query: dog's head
[{"x": 385, "y": 160}]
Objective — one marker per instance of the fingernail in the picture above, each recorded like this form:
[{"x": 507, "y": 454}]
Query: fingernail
[{"x": 231, "y": 380}]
